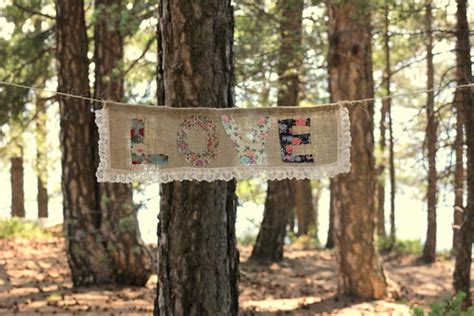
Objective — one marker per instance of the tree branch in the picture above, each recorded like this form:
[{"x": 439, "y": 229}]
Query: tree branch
[{"x": 32, "y": 11}]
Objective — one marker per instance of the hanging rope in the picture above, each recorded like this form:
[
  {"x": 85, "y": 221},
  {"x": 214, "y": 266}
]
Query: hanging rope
[{"x": 345, "y": 102}]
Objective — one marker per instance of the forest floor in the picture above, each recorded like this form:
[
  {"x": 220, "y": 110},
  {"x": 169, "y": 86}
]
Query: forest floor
[{"x": 35, "y": 279}]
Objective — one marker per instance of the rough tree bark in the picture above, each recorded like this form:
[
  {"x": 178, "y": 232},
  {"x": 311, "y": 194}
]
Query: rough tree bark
[
  {"x": 429, "y": 250},
  {"x": 350, "y": 78},
  {"x": 85, "y": 247},
  {"x": 41, "y": 158},
  {"x": 160, "y": 101},
  {"x": 280, "y": 200},
  {"x": 465, "y": 236},
  {"x": 18, "y": 193},
  {"x": 198, "y": 259},
  {"x": 131, "y": 260}
]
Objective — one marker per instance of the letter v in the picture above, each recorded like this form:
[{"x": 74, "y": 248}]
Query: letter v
[{"x": 250, "y": 148}]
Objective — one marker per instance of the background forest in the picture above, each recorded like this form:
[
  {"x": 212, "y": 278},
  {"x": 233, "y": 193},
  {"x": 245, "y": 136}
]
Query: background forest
[{"x": 70, "y": 244}]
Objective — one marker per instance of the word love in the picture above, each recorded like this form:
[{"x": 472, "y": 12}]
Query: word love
[
  {"x": 250, "y": 147},
  {"x": 143, "y": 143}
]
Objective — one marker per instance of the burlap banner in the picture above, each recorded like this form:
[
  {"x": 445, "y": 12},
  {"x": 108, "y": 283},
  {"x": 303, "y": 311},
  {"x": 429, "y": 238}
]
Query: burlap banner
[{"x": 162, "y": 144}]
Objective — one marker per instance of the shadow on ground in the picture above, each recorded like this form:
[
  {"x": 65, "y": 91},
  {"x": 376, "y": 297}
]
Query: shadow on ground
[{"x": 35, "y": 279}]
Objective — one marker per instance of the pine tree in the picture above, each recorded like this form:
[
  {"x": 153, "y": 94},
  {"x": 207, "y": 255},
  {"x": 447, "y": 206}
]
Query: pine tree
[
  {"x": 429, "y": 250},
  {"x": 280, "y": 194},
  {"x": 350, "y": 78},
  {"x": 132, "y": 261},
  {"x": 465, "y": 235},
  {"x": 198, "y": 260},
  {"x": 85, "y": 247}
]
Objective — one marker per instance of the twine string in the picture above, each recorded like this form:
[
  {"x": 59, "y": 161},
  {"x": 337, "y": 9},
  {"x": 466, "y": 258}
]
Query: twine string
[{"x": 343, "y": 102}]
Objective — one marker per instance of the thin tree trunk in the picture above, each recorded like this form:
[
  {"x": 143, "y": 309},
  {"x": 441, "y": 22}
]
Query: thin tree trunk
[
  {"x": 198, "y": 259},
  {"x": 386, "y": 103},
  {"x": 429, "y": 250},
  {"x": 316, "y": 197},
  {"x": 380, "y": 203},
  {"x": 85, "y": 247},
  {"x": 42, "y": 198},
  {"x": 350, "y": 77},
  {"x": 459, "y": 177},
  {"x": 41, "y": 158},
  {"x": 391, "y": 141},
  {"x": 393, "y": 187},
  {"x": 279, "y": 201},
  {"x": 292, "y": 224},
  {"x": 465, "y": 236},
  {"x": 160, "y": 84},
  {"x": 331, "y": 242},
  {"x": 18, "y": 193},
  {"x": 306, "y": 213},
  {"x": 131, "y": 260},
  {"x": 271, "y": 236}
]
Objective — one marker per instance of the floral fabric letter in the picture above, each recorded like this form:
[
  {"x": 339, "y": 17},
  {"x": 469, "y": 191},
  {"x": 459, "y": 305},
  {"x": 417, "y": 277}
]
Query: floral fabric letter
[
  {"x": 137, "y": 146},
  {"x": 288, "y": 140},
  {"x": 251, "y": 150},
  {"x": 206, "y": 124}
]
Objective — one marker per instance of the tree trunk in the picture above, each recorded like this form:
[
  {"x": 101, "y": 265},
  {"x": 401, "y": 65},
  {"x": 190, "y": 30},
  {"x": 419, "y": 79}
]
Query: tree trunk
[
  {"x": 380, "y": 203},
  {"x": 271, "y": 236},
  {"x": 198, "y": 259},
  {"x": 131, "y": 260},
  {"x": 41, "y": 158},
  {"x": 86, "y": 249},
  {"x": 304, "y": 209},
  {"x": 331, "y": 242},
  {"x": 18, "y": 193},
  {"x": 459, "y": 176},
  {"x": 386, "y": 104},
  {"x": 391, "y": 142},
  {"x": 350, "y": 77},
  {"x": 276, "y": 215},
  {"x": 160, "y": 101},
  {"x": 292, "y": 224},
  {"x": 463, "y": 245},
  {"x": 160, "y": 84},
  {"x": 393, "y": 188},
  {"x": 429, "y": 250}
]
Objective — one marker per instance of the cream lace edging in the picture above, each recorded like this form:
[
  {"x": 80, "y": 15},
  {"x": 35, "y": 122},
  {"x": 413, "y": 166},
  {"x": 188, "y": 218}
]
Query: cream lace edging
[{"x": 150, "y": 173}]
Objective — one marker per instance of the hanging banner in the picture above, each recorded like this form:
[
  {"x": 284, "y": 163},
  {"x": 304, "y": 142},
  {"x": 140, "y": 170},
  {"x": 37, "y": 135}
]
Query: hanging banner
[{"x": 162, "y": 144}]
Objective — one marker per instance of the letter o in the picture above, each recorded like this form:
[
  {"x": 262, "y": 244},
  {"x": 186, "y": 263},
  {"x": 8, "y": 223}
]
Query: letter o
[{"x": 206, "y": 124}]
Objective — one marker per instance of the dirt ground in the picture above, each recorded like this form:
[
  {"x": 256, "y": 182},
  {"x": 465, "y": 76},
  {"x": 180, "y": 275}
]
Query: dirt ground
[{"x": 35, "y": 280}]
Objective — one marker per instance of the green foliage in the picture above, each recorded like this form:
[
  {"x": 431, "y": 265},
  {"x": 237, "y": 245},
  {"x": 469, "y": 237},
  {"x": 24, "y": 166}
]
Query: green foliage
[
  {"x": 256, "y": 51},
  {"x": 15, "y": 228},
  {"x": 251, "y": 191},
  {"x": 25, "y": 55},
  {"x": 447, "y": 307},
  {"x": 406, "y": 246}
]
